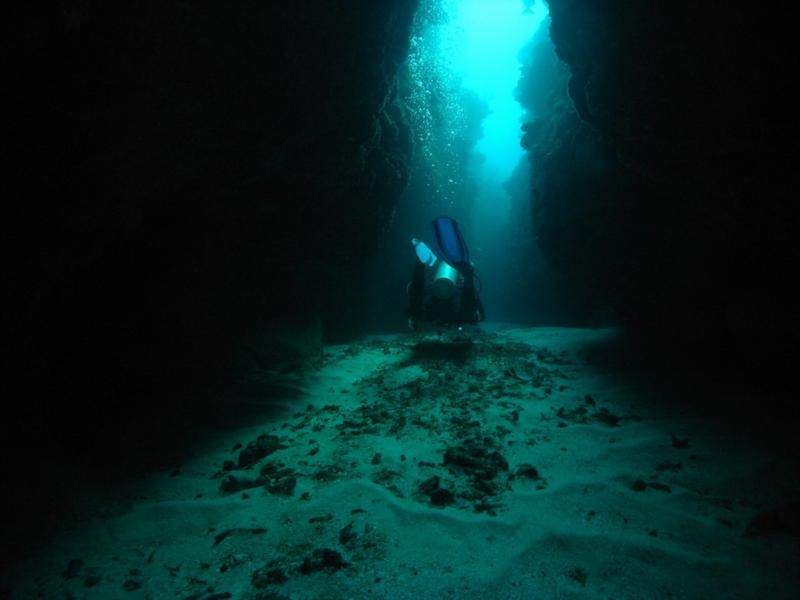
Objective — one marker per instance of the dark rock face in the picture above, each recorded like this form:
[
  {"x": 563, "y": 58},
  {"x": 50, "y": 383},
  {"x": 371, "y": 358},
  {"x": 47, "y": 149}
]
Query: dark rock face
[
  {"x": 665, "y": 183},
  {"x": 193, "y": 187},
  {"x": 195, "y": 182}
]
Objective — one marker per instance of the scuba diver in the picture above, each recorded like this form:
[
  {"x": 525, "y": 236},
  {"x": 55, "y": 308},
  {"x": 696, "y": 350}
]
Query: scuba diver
[{"x": 442, "y": 290}]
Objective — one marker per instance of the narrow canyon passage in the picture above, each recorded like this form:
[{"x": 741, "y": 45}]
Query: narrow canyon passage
[{"x": 410, "y": 298}]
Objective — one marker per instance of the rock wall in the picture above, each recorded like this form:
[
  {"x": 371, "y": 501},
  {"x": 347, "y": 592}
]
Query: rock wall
[
  {"x": 191, "y": 184},
  {"x": 548, "y": 290},
  {"x": 665, "y": 182}
]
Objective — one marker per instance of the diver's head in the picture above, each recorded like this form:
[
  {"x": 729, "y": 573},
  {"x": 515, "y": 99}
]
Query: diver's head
[{"x": 445, "y": 281}]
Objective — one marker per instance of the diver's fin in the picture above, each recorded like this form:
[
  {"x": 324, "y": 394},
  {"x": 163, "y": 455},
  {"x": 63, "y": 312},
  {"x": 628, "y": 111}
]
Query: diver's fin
[{"x": 451, "y": 244}]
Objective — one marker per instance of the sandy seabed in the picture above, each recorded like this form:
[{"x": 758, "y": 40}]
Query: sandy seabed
[{"x": 500, "y": 463}]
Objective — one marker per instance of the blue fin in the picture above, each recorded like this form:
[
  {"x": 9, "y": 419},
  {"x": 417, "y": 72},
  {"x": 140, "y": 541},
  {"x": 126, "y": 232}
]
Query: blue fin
[{"x": 451, "y": 244}]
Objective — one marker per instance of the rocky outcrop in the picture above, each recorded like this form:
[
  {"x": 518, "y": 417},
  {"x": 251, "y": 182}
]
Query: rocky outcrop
[
  {"x": 191, "y": 183},
  {"x": 664, "y": 182}
]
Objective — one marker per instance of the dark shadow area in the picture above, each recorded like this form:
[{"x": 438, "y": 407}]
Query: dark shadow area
[
  {"x": 75, "y": 450},
  {"x": 661, "y": 190},
  {"x": 254, "y": 402},
  {"x": 705, "y": 381},
  {"x": 193, "y": 191}
]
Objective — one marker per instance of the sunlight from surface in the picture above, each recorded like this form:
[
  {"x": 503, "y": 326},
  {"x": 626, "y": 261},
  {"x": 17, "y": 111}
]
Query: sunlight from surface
[{"x": 482, "y": 45}]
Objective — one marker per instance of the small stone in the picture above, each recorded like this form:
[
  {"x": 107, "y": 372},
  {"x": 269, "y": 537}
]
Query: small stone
[
  {"x": 264, "y": 577},
  {"x": 347, "y": 535},
  {"x": 284, "y": 487},
  {"x": 323, "y": 559},
  {"x": 578, "y": 575},
  {"x": 429, "y": 486},
  {"x": 263, "y": 446},
  {"x": 527, "y": 471},
  {"x": 660, "y": 486},
  {"x": 442, "y": 497},
  {"x": 321, "y": 519},
  {"x": 131, "y": 585}
]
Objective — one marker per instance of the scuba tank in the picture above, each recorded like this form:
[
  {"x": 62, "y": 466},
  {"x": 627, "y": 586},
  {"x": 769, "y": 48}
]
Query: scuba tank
[{"x": 445, "y": 281}]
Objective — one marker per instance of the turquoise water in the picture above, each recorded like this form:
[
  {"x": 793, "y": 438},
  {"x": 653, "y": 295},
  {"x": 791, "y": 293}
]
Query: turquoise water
[{"x": 481, "y": 45}]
